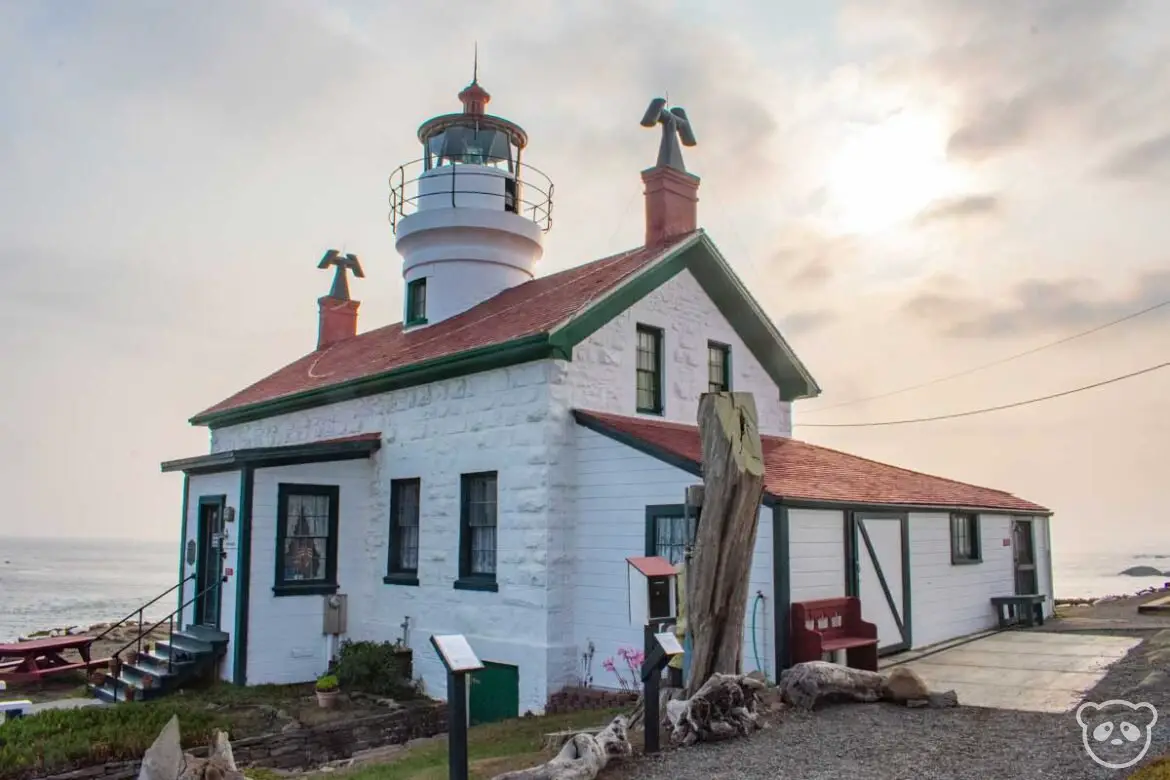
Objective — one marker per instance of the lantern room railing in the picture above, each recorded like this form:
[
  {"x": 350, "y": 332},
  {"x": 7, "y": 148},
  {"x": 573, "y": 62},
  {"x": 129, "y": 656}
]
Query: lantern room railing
[{"x": 525, "y": 191}]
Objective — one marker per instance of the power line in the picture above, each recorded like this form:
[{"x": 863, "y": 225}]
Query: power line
[
  {"x": 1000, "y": 361},
  {"x": 989, "y": 408}
]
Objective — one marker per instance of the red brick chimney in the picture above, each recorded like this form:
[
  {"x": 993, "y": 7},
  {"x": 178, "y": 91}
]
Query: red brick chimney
[
  {"x": 337, "y": 312},
  {"x": 672, "y": 198},
  {"x": 337, "y": 320}
]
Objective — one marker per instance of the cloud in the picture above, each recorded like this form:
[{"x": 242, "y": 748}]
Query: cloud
[
  {"x": 810, "y": 260},
  {"x": 1020, "y": 73},
  {"x": 1141, "y": 160},
  {"x": 807, "y": 321},
  {"x": 1033, "y": 306},
  {"x": 960, "y": 207}
]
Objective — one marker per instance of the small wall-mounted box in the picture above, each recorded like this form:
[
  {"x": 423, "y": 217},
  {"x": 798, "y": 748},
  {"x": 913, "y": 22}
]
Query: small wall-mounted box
[
  {"x": 336, "y": 614},
  {"x": 652, "y": 583}
]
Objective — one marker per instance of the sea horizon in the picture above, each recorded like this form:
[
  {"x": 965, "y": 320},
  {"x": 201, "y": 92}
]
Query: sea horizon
[{"x": 106, "y": 579}]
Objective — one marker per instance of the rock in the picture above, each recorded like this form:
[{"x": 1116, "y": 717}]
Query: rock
[
  {"x": 1141, "y": 571},
  {"x": 944, "y": 699},
  {"x": 904, "y": 684},
  {"x": 807, "y": 684}
]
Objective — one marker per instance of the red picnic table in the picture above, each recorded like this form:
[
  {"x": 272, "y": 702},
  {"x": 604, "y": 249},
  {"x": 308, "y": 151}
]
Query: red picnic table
[{"x": 40, "y": 658}]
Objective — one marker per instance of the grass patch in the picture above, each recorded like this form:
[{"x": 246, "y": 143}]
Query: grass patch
[
  {"x": 60, "y": 740},
  {"x": 492, "y": 748}
]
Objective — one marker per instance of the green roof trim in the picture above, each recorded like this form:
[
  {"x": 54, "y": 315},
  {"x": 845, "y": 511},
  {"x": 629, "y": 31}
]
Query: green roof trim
[
  {"x": 713, "y": 273},
  {"x": 697, "y": 254},
  {"x": 472, "y": 361}
]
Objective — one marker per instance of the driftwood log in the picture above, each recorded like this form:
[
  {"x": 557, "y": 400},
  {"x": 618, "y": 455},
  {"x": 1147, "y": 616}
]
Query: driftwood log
[
  {"x": 165, "y": 759},
  {"x": 808, "y": 684},
  {"x": 582, "y": 757},
  {"x": 717, "y": 576},
  {"x": 725, "y": 706}
]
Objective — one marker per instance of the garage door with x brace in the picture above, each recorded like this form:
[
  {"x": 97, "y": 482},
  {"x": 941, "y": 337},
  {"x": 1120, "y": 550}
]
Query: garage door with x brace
[{"x": 878, "y": 558}]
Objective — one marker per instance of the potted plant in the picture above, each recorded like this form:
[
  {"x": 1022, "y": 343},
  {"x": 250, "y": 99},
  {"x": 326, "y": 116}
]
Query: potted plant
[{"x": 327, "y": 690}]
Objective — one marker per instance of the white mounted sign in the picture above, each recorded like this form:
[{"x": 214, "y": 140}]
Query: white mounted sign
[
  {"x": 456, "y": 653},
  {"x": 669, "y": 643}
]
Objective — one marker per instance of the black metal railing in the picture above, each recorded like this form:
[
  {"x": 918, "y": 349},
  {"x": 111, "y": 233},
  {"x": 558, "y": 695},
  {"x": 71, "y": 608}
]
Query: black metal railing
[
  {"x": 170, "y": 621},
  {"x": 527, "y": 191},
  {"x": 139, "y": 613}
]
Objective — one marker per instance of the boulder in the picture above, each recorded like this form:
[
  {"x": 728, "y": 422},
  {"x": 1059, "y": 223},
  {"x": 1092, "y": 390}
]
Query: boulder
[{"x": 904, "y": 684}]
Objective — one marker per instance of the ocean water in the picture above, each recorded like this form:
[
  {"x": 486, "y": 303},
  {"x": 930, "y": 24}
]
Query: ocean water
[{"x": 58, "y": 583}]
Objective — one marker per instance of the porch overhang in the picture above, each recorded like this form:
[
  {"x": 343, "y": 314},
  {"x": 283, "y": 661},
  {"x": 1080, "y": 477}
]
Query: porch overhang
[{"x": 346, "y": 448}]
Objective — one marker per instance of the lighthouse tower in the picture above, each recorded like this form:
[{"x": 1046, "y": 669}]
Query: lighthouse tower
[{"x": 469, "y": 218}]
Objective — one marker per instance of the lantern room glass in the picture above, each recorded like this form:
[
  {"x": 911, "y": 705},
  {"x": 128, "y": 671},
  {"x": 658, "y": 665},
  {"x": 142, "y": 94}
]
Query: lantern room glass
[{"x": 471, "y": 145}]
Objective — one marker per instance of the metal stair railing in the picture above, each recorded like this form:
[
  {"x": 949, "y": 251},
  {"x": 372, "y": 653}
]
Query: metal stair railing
[
  {"x": 170, "y": 620},
  {"x": 139, "y": 612}
]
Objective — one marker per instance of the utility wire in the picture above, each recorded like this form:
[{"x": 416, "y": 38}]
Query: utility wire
[
  {"x": 972, "y": 412},
  {"x": 1000, "y": 361}
]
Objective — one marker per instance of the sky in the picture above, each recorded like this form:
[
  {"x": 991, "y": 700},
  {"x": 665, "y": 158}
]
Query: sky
[{"x": 911, "y": 188}]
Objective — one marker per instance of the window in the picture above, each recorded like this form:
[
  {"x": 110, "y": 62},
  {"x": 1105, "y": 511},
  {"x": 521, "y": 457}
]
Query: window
[
  {"x": 402, "y": 566},
  {"x": 718, "y": 367},
  {"x": 477, "y": 532},
  {"x": 416, "y": 302},
  {"x": 306, "y": 539},
  {"x": 669, "y": 532},
  {"x": 649, "y": 370},
  {"x": 965, "y": 538}
]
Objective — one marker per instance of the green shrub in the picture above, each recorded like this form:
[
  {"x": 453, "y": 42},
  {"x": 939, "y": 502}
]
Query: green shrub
[
  {"x": 57, "y": 740},
  {"x": 326, "y": 683},
  {"x": 373, "y": 667}
]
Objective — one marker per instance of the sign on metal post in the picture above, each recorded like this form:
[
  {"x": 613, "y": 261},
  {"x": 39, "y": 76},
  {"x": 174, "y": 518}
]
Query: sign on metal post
[
  {"x": 459, "y": 659},
  {"x": 661, "y": 646}
]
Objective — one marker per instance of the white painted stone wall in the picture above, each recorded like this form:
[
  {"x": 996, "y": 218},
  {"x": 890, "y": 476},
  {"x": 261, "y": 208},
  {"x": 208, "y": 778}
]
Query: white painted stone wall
[
  {"x": 603, "y": 368},
  {"x": 223, "y": 484},
  {"x": 615, "y": 485},
  {"x": 497, "y": 420},
  {"x": 951, "y": 600},
  {"x": 285, "y": 639},
  {"x": 816, "y": 544}
]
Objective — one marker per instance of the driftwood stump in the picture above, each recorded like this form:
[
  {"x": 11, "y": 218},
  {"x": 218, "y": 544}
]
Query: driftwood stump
[
  {"x": 582, "y": 757},
  {"x": 717, "y": 577},
  {"x": 808, "y": 684},
  {"x": 725, "y": 706}
]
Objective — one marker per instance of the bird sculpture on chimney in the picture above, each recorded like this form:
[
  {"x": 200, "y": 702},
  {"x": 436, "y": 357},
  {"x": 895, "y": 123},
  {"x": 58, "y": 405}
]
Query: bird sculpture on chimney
[
  {"x": 675, "y": 127},
  {"x": 342, "y": 264}
]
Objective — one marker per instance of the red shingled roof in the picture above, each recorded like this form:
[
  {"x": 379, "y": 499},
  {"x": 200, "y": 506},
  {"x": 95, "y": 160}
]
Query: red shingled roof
[
  {"x": 525, "y": 310},
  {"x": 797, "y": 470}
]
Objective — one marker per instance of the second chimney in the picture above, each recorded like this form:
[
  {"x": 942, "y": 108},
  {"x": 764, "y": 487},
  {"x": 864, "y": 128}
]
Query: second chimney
[
  {"x": 672, "y": 198},
  {"x": 336, "y": 321}
]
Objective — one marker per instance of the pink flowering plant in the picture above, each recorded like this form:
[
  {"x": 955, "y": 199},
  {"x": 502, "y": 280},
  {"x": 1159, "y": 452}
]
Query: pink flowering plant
[{"x": 631, "y": 663}]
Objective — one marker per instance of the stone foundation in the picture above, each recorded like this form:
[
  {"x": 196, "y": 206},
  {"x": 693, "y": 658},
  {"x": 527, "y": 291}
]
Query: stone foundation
[{"x": 307, "y": 747}]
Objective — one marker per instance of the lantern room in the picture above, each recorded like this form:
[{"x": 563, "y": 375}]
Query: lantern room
[{"x": 469, "y": 216}]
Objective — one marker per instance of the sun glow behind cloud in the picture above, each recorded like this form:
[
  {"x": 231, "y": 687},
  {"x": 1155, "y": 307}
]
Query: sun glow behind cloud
[{"x": 886, "y": 172}]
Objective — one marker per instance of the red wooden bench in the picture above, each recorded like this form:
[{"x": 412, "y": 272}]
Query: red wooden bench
[
  {"x": 827, "y": 625},
  {"x": 40, "y": 658}
]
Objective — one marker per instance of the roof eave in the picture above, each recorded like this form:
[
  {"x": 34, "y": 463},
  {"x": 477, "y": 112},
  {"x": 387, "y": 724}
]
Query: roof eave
[
  {"x": 520, "y": 350},
  {"x": 264, "y": 457}
]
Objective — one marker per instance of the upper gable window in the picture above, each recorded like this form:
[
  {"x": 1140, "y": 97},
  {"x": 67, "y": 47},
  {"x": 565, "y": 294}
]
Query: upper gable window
[
  {"x": 416, "y": 302},
  {"x": 649, "y": 370},
  {"x": 718, "y": 367}
]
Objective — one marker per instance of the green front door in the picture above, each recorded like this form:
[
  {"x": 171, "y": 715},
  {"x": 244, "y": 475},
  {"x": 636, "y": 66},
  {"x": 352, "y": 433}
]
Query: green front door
[{"x": 495, "y": 693}]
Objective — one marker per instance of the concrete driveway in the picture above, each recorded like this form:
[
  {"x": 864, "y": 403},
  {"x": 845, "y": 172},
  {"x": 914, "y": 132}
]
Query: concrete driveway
[{"x": 1022, "y": 670}]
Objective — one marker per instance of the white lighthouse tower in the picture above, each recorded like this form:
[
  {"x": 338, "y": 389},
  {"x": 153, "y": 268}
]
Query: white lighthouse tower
[{"x": 469, "y": 218}]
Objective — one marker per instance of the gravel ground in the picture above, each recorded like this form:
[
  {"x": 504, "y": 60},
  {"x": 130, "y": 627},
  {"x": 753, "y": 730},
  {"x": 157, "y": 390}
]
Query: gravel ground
[{"x": 888, "y": 742}]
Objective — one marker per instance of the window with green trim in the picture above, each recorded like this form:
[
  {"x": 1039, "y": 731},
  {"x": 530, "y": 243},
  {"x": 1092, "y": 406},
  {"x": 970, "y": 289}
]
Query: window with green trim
[
  {"x": 404, "y": 515},
  {"x": 306, "y": 539},
  {"x": 669, "y": 532},
  {"x": 718, "y": 367},
  {"x": 649, "y": 370},
  {"x": 416, "y": 302},
  {"x": 477, "y": 528},
  {"x": 965, "y": 547}
]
